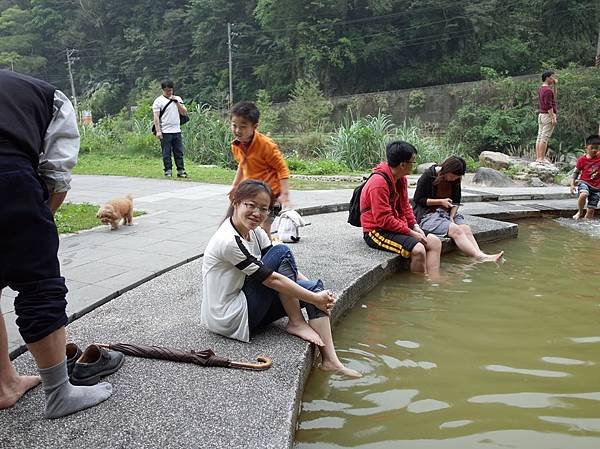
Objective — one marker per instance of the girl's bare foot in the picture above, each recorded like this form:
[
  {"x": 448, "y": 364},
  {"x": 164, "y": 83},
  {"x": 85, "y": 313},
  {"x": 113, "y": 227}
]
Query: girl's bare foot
[
  {"x": 305, "y": 332},
  {"x": 578, "y": 215},
  {"x": 491, "y": 257},
  {"x": 16, "y": 389},
  {"x": 340, "y": 369}
]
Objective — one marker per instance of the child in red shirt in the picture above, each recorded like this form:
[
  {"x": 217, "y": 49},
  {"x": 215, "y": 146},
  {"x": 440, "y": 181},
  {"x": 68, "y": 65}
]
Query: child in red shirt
[{"x": 588, "y": 185}]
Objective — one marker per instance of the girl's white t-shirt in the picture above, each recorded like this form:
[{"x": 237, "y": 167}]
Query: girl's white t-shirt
[{"x": 227, "y": 260}]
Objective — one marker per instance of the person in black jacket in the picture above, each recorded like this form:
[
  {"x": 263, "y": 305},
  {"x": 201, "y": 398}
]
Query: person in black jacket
[
  {"x": 39, "y": 144},
  {"x": 437, "y": 199}
]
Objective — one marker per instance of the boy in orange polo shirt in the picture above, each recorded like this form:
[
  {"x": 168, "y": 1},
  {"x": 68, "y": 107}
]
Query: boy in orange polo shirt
[{"x": 258, "y": 157}]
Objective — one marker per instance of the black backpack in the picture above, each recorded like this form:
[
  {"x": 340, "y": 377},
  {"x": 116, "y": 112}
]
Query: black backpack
[{"x": 354, "y": 211}]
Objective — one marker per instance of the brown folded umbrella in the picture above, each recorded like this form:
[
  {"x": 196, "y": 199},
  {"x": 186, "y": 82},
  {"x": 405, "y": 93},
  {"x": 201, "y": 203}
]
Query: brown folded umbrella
[{"x": 204, "y": 358}]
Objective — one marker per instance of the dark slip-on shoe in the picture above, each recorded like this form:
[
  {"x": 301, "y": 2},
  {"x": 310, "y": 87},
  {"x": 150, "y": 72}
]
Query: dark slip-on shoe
[
  {"x": 96, "y": 362},
  {"x": 73, "y": 353}
]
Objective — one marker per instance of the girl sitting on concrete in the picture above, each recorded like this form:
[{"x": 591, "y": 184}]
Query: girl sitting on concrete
[
  {"x": 248, "y": 283},
  {"x": 437, "y": 199}
]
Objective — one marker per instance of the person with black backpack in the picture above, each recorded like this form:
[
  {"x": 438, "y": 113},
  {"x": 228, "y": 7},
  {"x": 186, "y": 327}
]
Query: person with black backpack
[
  {"x": 169, "y": 114},
  {"x": 387, "y": 220}
]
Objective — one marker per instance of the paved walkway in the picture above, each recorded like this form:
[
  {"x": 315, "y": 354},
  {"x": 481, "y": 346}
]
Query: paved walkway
[{"x": 100, "y": 264}]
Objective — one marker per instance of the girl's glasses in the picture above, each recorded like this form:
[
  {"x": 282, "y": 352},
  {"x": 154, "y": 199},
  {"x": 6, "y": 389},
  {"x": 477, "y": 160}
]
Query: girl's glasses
[{"x": 254, "y": 208}]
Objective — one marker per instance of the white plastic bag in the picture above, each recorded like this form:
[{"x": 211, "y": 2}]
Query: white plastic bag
[{"x": 286, "y": 226}]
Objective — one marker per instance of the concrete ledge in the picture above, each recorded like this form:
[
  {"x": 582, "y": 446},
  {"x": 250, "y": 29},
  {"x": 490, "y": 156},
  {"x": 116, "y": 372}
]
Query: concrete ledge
[{"x": 169, "y": 405}]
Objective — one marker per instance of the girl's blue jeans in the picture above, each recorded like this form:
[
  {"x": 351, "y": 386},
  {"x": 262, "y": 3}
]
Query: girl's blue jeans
[{"x": 264, "y": 304}]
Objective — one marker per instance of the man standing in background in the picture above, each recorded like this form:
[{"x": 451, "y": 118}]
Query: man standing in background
[
  {"x": 546, "y": 116},
  {"x": 166, "y": 110}
]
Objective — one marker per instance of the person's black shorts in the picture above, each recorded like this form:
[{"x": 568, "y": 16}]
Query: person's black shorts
[
  {"x": 28, "y": 251},
  {"x": 392, "y": 242}
]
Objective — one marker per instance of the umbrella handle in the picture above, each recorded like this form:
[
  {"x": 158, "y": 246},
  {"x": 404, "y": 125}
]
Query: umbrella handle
[{"x": 264, "y": 362}]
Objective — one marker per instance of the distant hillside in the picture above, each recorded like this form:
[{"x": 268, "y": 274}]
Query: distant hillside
[{"x": 118, "y": 49}]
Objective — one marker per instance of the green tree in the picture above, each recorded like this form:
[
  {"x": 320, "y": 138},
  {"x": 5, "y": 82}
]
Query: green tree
[
  {"x": 17, "y": 42},
  {"x": 308, "y": 108}
]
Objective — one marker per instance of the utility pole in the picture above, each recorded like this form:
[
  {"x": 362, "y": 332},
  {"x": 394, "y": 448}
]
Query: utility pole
[
  {"x": 12, "y": 65},
  {"x": 69, "y": 54},
  {"x": 598, "y": 49},
  {"x": 230, "y": 66}
]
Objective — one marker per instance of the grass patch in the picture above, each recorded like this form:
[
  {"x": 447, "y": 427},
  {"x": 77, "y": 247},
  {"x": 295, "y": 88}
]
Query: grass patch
[
  {"x": 144, "y": 167},
  {"x": 71, "y": 217}
]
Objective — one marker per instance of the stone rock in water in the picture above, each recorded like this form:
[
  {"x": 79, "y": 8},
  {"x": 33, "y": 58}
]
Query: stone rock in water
[{"x": 488, "y": 177}]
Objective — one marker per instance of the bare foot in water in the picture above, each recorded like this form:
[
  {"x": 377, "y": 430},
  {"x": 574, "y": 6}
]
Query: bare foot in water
[
  {"x": 579, "y": 215},
  {"x": 16, "y": 389},
  {"x": 305, "y": 332},
  {"x": 340, "y": 369},
  {"x": 491, "y": 257}
]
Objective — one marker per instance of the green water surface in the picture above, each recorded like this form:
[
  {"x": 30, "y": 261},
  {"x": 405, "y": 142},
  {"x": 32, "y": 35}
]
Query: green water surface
[{"x": 491, "y": 356}]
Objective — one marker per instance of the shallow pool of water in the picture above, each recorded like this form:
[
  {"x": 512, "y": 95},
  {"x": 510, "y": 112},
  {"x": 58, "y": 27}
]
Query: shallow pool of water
[{"x": 491, "y": 356}]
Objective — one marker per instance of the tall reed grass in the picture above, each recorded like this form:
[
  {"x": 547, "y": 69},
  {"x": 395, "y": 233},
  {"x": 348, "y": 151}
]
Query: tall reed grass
[{"x": 360, "y": 143}]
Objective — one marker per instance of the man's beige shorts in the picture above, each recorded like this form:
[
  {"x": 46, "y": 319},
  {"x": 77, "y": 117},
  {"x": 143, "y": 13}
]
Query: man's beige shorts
[{"x": 545, "y": 127}]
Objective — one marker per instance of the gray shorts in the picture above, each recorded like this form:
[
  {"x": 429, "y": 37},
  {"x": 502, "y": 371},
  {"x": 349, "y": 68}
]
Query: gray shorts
[
  {"x": 438, "y": 222},
  {"x": 593, "y": 195}
]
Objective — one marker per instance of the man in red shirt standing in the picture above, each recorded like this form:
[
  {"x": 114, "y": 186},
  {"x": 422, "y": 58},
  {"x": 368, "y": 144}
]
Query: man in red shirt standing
[{"x": 546, "y": 116}]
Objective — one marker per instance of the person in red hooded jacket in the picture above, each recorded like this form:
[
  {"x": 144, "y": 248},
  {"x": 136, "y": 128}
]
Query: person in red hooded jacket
[{"x": 387, "y": 219}]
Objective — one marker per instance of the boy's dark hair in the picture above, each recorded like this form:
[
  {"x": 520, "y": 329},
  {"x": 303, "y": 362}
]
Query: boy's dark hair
[
  {"x": 547, "y": 74},
  {"x": 399, "y": 151},
  {"x": 167, "y": 84},
  {"x": 247, "y": 110},
  {"x": 594, "y": 139}
]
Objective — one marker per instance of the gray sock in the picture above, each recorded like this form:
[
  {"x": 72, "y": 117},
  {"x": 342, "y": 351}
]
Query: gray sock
[{"x": 62, "y": 398}]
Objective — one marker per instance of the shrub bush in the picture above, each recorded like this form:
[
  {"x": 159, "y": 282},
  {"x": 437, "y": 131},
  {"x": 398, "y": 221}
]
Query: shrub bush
[
  {"x": 269, "y": 116},
  {"x": 416, "y": 99},
  {"x": 503, "y": 114},
  {"x": 316, "y": 166},
  {"x": 303, "y": 145}
]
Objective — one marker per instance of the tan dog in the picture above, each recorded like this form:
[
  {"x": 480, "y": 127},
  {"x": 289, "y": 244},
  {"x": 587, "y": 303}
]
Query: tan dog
[{"x": 115, "y": 210}]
